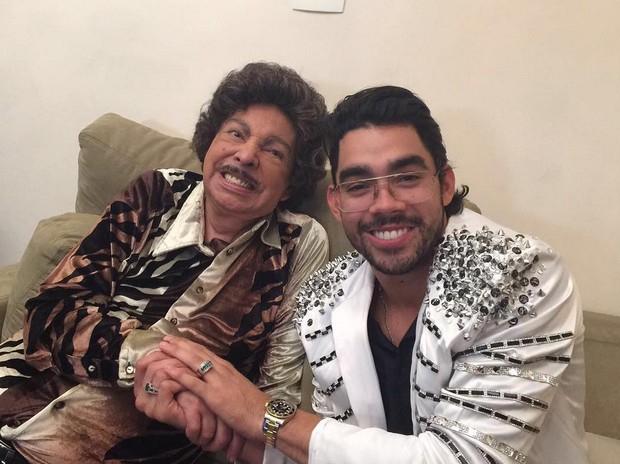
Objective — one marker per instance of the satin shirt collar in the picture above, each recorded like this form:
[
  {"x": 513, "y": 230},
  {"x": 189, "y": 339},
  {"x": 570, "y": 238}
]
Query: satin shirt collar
[{"x": 188, "y": 228}]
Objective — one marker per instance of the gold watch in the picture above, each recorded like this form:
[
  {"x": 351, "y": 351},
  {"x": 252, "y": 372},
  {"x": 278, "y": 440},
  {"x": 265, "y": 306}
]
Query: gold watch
[{"x": 277, "y": 413}]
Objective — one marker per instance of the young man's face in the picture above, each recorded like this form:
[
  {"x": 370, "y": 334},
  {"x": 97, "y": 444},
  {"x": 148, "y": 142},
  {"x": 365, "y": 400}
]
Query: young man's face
[
  {"x": 247, "y": 167},
  {"x": 394, "y": 235}
]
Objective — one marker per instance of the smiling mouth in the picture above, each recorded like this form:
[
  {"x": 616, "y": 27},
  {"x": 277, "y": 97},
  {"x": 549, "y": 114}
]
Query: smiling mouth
[
  {"x": 389, "y": 234},
  {"x": 232, "y": 179}
]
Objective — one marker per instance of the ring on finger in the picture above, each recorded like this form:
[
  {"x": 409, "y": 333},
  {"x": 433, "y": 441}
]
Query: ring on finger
[
  {"x": 150, "y": 389},
  {"x": 205, "y": 366}
]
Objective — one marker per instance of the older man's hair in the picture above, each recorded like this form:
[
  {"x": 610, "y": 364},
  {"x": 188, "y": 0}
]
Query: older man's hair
[{"x": 273, "y": 84}]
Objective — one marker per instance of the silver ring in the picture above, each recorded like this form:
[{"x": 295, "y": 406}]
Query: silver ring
[
  {"x": 205, "y": 366},
  {"x": 150, "y": 389}
]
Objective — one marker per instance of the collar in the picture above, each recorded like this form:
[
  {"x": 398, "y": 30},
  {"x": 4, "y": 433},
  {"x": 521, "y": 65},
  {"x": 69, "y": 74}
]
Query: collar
[{"x": 188, "y": 228}]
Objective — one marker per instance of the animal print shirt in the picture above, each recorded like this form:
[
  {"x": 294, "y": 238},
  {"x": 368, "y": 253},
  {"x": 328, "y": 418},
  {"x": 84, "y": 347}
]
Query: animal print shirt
[{"x": 144, "y": 272}]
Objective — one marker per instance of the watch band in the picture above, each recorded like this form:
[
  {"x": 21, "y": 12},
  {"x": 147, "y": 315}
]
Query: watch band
[{"x": 270, "y": 431}]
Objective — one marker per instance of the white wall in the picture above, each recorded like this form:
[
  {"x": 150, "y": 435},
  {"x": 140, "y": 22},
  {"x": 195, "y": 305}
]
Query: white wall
[{"x": 526, "y": 92}]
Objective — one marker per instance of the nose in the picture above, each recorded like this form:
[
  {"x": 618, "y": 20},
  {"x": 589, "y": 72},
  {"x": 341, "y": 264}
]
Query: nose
[
  {"x": 248, "y": 153},
  {"x": 385, "y": 201}
]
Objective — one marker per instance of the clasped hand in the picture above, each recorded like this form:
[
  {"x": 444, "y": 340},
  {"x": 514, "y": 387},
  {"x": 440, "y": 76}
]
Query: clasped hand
[{"x": 172, "y": 403}]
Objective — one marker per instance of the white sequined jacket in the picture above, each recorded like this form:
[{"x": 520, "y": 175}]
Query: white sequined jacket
[{"x": 497, "y": 374}]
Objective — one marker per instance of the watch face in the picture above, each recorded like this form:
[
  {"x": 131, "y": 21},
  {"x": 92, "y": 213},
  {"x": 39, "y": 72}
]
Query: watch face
[{"x": 281, "y": 408}]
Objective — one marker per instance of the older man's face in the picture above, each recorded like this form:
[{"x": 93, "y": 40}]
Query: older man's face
[{"x": 247, "y": 167}]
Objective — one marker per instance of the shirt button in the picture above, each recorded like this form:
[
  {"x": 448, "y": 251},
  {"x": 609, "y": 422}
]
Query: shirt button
[
  {"x": 174, "y": 320},
  {"x": 230, "y": 251},
  {"x": 59, "y": 405},
  {"x": 199, "y": 290},
  {"x": 130, "y": 369}
]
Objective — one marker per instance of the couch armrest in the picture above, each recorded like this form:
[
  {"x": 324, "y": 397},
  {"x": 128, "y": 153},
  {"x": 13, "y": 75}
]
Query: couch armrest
[
  {"x": 602, "y": 352},
  {"x": 7, "y": 279},
  {"x": 50, "y": 242}
]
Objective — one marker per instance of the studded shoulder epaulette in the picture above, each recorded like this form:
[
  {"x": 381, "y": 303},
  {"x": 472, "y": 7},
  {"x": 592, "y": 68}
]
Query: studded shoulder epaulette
[
  {"x": 486, "y": 276},
  {"x": 324, "y": 285}
]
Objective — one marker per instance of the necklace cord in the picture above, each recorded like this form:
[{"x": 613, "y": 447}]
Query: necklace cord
[{"x": 385, "y": 318}]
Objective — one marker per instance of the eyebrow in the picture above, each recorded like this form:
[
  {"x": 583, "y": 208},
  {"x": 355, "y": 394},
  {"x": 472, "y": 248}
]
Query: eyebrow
[
  {"x": 248, "y": 131},
  {"x": 393, "y": 166},
  {"x": 406, "y": 162}
]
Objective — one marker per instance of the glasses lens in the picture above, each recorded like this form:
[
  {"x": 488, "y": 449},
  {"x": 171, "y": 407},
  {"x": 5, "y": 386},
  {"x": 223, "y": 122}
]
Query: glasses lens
[
  {"x": 356, "y": 196},
  {"x": 413, "y": 187}
]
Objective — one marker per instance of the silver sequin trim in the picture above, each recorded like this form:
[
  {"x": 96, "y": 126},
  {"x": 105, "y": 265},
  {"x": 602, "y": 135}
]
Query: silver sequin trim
[
  {"x": 458, "y": 454},
  {"x": 332, "y": 388},
  {"x": 427, "y": 362},
  {"x": 511, "y": 420},
  {"x": 521, "y": 361},
  {"x": 425, "y": 394},
  {"x": 478, "y": 435},
  {"x": 516, "y": 343},
  {"x": 323, "y": 359},
  {"x": 511, "y": 371},
  {"x": 319, "y": 333},
  {"x": 488, "y": 458},
  {"x": 423, "y": 421},
  {"x": 344, "y": 416},
  {"x": 430, "y": 325},
  {"x": 534, "y": 402}
]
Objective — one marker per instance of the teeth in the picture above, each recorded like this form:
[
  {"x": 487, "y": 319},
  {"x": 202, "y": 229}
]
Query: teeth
[
  {"x": 389, "y": 235},
  {"x": 235, "y": 180}
]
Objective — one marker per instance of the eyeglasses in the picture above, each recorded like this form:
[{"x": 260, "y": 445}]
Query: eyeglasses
[{"x": 411, "y": 187}]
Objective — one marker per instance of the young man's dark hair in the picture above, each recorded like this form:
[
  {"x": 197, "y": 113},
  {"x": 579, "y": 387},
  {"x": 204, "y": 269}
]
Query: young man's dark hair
[
  {"x": 273, "y": 84},
  {"x": 390, "y": 106}
]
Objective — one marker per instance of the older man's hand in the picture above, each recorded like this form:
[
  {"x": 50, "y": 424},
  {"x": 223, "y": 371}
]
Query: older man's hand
[{"x": 161, "y": 398}]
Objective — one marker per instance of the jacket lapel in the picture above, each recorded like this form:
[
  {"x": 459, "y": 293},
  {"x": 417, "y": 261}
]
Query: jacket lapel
[{"x": 349, "y": 322}]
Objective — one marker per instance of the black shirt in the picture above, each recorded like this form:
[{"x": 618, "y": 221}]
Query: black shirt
[{"x": 393, "y": 366}]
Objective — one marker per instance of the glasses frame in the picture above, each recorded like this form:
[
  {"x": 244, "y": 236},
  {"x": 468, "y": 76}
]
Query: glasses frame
[{"x": 337, "y": 189}]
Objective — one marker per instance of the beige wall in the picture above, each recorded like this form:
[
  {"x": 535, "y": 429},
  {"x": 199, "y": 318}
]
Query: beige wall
[{"x": 526, "y": 92}]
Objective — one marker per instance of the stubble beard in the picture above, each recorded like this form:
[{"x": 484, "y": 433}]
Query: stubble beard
[{"x": 400, "y": 261}]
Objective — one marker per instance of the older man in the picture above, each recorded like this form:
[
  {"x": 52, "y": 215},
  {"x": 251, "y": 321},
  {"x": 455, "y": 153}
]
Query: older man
[
  {"x": 446, "y": 338},
  {"x": 215, "y": 258}
]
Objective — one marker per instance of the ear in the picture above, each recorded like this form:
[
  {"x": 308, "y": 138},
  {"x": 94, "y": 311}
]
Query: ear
[
  {"x": 333, "y": 203},
  {"x": 286, "y": 194},
  {"x": 447, "y": 183}
]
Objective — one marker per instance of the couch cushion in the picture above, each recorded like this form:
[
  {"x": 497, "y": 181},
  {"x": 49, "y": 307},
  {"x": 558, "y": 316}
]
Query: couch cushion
[
  {"x": 51, "y": 241},
  {"x": 115, "y": 150},
  {"x": 602, "y": 450},
  {"x": 316, "y": 207}
]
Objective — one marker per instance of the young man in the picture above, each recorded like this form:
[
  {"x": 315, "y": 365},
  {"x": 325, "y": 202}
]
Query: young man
[
  {"x": 446, "y": 338},
  {"x": 215, "y": 258}
]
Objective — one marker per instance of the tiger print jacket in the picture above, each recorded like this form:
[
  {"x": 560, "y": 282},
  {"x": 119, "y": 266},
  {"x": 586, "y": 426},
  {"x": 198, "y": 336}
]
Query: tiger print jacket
[{"x": 141, "y": 273}]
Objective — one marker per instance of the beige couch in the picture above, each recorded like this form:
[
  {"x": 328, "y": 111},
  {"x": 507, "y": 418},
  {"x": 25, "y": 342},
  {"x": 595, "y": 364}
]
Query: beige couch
[{"x": 114, "y": 150}]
